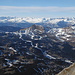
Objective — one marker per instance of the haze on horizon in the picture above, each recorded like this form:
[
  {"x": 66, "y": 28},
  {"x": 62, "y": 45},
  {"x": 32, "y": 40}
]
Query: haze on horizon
[{"x": 36, "y": 8}]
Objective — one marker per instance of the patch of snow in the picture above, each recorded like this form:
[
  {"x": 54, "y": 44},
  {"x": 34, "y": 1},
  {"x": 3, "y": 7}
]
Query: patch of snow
[
  {"x": 12, "y": 49},
  {"x": 48, "y": 56},
  {"x": 68, "y": 61}
]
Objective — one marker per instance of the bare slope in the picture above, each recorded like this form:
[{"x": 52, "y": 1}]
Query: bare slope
[{"x": 68, "y": 71}]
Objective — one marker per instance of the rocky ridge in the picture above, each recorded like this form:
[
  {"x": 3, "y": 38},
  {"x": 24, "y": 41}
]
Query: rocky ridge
[{"x": 36, "y": 51}]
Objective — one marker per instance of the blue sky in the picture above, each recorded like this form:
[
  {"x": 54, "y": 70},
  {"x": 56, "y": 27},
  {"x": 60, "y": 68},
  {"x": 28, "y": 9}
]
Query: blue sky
[{"x": 37, "y": 8}]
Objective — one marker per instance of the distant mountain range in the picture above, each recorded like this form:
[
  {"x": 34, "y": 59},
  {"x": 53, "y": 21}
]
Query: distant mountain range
[
  {"x": 28, "y": 21},
  {"x": 36, "y": 46}
]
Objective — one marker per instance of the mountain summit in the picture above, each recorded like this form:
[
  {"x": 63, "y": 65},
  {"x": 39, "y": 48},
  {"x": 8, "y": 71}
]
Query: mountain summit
[{"x": 34, "y": 29}]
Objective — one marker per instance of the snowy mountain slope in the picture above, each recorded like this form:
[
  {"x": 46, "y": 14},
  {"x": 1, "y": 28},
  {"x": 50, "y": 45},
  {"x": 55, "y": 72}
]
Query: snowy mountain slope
[
  {"x": 38, "y": 31},
  {"x": 55, "y": 22},
  {"x": 37, "y": 50},
  {"x": 64, "y": 34},
  {"x": 35, "y": 32},
  {"x": 34, "y": 28},
  {"x": 35, "y": 20}
]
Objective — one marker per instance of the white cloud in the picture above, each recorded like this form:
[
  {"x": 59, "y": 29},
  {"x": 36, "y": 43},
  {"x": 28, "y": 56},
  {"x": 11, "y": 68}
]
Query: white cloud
[
  {"x": 51, "y": 11},
  {"x": 15, "y": 9}
]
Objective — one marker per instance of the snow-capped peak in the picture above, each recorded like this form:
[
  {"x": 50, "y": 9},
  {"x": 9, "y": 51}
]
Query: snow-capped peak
[{"x": 36, "y": 20}]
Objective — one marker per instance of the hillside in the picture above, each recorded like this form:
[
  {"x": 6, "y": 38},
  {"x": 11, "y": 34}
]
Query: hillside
[{"x": 68, "y": 71}]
